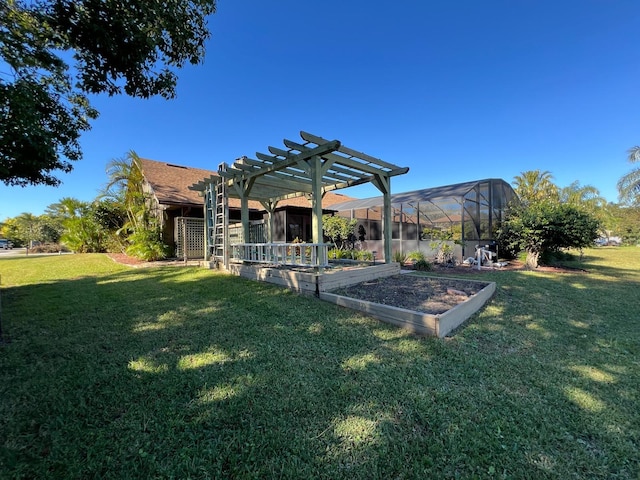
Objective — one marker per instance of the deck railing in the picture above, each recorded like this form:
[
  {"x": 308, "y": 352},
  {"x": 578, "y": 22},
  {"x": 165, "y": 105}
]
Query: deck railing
[{"x": 300, "y": 254}]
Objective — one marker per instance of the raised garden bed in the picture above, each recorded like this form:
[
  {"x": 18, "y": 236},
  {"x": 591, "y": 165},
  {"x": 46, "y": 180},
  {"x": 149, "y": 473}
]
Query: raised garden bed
[
  {"x": 422, "y": 304},
  {"x": 306, "y": 281}
]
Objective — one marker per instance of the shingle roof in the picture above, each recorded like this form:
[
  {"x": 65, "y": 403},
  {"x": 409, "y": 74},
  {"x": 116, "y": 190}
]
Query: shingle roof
[{"x": 170, "y": 184}]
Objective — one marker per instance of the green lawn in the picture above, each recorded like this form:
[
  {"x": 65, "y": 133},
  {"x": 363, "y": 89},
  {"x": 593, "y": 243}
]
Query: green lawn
[{"x": 172, "y": 372}]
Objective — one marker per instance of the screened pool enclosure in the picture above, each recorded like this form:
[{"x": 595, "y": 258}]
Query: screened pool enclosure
[{"x": 462, "y": 215}]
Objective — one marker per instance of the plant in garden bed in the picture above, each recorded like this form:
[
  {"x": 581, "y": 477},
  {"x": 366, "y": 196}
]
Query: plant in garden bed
[
  {"x": 441, "y": 242},
  {"x": 423, "y": 265},
  {"x": 416, "y": 256},
  {"x": 399, "y": 257},
  {"x": 417, "y": 260},
  {"x": 340, "y": 254}
]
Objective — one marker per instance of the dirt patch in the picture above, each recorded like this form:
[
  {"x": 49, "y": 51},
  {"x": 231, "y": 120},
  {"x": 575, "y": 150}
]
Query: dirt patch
[
  {"x": 125, "y": 259},
  {"x": 421, "y": 294}
]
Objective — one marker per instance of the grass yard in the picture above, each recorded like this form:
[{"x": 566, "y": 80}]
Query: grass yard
[{"x": 170, "y": 372}]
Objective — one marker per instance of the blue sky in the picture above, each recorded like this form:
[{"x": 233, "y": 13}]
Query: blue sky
[{"x": 456, "y": 91}]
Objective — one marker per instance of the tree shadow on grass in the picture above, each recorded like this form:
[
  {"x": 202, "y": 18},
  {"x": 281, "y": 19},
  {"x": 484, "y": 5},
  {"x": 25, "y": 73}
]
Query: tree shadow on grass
[{"x": 190, "y": 373}]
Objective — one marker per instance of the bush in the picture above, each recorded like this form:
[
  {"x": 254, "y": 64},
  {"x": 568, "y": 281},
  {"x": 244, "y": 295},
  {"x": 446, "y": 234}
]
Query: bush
[
  {"x": 335, "y": 254},
  {"x": 49, "y": 248},
  {"x": 416, "y": 256},
  {"x": 365, "y": 255},
  {"x": 423, "y": 265},
  {"x": 547, "y": 227},
  {"x": 362, "y": 255},
  {"x": 399, "y": 257},
  {"x": 146, "y": 245}
]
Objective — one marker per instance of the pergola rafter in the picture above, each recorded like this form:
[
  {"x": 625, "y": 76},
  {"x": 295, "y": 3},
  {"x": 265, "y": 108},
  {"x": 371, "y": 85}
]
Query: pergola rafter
[{"x": 308, "y": 168}]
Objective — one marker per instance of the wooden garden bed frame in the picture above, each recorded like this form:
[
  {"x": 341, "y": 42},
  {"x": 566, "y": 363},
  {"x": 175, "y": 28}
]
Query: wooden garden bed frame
[
  {"x": 314, "y": 282},
  {"x": 439, "y": 325}
]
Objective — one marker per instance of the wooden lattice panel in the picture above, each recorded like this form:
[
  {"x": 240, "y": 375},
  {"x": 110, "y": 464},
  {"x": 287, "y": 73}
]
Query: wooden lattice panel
[{"x": 193, "y": 230}]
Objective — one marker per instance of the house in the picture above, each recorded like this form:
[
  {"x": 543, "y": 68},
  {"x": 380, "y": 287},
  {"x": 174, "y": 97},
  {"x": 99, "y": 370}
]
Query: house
[
  {"x": 471, "y": 211},
  {"x": 167, "y": 185}
]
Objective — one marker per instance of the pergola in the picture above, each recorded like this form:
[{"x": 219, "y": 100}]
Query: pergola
[{"x": 310, "y": 167}]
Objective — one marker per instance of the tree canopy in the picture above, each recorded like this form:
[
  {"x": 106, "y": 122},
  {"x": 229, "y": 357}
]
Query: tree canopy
[
  {"x": 629, "y": 184},
  {"x": 547, "y": 227},
  {"x": 534, "y": 186},
  {"x": 131, "y": 47},
  {"x": 340, "y": 230},
  {"x": 549, "y": 218}
]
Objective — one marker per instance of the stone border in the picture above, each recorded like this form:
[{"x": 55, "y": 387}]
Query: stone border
[{"x": 421, "y": 323}]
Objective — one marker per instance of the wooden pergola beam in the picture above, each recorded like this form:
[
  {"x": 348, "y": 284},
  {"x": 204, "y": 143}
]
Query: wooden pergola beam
[{"x": 310, "y": 170}]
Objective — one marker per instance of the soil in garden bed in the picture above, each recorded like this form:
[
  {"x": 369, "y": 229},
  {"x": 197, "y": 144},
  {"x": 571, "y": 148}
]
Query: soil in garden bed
[{"x": 421, "y": 294}]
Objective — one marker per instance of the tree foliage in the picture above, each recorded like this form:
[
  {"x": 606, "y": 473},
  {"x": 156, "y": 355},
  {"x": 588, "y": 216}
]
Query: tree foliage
[
  {"x": 548, "y": 218},
  {"x": 629, "y": 184},
  {"x": 25, "y": 229},
  {"x": 340, "y": 230},
  {"x": 90, "y": 227},
  {"x": 118, "y": 47},
  {"x": 141, "y": 228},
  {"x": 547, "y": 227},
  {"x": 584, "y": 196},
  {"x": 534, "y": 186},
  {"x": 623, "y": 221}
]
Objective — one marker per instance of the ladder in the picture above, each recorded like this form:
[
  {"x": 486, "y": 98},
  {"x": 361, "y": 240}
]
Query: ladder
[{"x": 218, "y": 217}]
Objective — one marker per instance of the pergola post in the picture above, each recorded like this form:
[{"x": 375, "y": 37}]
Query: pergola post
[
  {"x": 243, "y": 189},
  {"x": 383, "y": 184},
  {"x": 315, "y": 165},
  {"x": 270, "y": 207}
]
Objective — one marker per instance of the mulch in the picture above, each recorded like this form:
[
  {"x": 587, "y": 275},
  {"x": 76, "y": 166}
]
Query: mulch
[
  {"x": 512, "y": 265},
  {"x": 125, "y": 259}
]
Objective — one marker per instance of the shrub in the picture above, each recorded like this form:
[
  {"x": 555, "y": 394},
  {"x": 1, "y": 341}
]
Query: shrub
[
  {"x": 49, "y": 248},
  {"x": 550, "y": 257},
  {"x": 399, "y": 257},
  {"x": 423, "y": 265},
  {"x": 146, "y": 245},
  {"x": 362, "y": 255},
  {"x": 365, "y": 255},
  {"x": 416, "y": 256},
  {"x": 547, "y": 227}
]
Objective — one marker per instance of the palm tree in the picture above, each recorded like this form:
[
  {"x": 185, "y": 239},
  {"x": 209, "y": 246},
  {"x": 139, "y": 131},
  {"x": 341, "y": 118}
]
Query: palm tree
[
  {"x": 534, "y": 186},
  {"x": 142, "y": 229},
  {"x": 66, "y": 207},
  {"x": 125, "y": 185},
  {"x": 585, "y": 196},
  {"x": 629, "y": 184}
]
